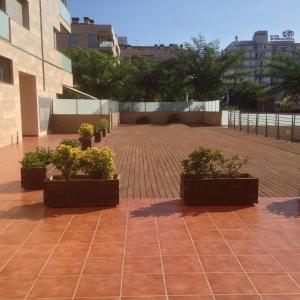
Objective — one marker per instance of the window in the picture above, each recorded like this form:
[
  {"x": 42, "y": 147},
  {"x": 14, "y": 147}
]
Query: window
[
  {"x": 18, "y": 10},
  {"x": 6, "y": 74},
  {"x": 93, "y": 42},
  {"x": 2, "y": 5},
  {"x": 73, "y": 39}
]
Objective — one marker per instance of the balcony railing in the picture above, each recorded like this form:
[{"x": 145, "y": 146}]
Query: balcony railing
[
  {"x": 4, "y": 26},
  {"x": 64, "y": 13},
  {"x": 66, "y": 63},
  {"x": 106, "y": 44}
]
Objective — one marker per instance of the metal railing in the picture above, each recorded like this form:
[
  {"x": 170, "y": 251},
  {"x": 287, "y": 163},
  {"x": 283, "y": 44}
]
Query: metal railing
[
  {"x": 64, "y": 13},
  {"x": 277, "y": 125},
  {"x": 66, "y": 63},
  {"x": 190, "y": 106},
  {"x": 84, "y": 107}
]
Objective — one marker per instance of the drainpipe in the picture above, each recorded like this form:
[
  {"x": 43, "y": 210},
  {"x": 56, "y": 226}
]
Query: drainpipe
[{"x": 42, "y": 45}]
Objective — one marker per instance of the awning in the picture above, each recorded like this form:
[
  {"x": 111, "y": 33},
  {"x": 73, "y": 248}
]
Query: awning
[{"x": 75, "y": 91}]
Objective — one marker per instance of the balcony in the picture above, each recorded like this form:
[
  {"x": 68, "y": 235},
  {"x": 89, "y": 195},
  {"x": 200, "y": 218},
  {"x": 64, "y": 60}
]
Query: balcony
[
  {"x": 4, "y": 26},
  {"x": 66, "y": 63},
  {"x": 64, "y": 13}
]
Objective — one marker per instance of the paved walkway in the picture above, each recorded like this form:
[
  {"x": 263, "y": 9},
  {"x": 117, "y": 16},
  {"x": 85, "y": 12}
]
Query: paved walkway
[{"x": 153, "y": 249}]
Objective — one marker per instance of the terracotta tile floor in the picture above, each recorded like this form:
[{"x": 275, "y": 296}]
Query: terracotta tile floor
[{"x": 146, "y": 248}]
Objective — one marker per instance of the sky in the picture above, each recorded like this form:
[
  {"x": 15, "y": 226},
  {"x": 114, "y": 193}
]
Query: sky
[{"x": 149, "y": 22}]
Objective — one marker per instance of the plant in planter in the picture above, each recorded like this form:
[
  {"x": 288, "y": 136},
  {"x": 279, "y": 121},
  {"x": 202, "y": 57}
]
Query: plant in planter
[
  {"x": 35, "y": 167},
  {"x": 98, "y": 186},
  {"x": 211, "y": 179},
  {"x": 86, "y": 132},
  {"x": 102, "y": 127},
  {"x": 70, "y": 142}
]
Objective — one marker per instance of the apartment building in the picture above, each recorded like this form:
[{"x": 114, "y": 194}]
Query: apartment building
[
  {"x": 89, "y": 35},
  {"x": 260, "y": 50},
  {"x": 32, "y": 70},
  {"x": 156, "y": 52}
]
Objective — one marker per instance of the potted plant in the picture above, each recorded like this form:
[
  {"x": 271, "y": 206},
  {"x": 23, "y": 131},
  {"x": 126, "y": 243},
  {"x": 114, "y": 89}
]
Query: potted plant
[
  {"x": 97, "y": 186},
  {"x": 86, "y": 132},
  {"x": 102, "y": 126},
  {"x": 70, "y": 142},
  {"x": 209, "y": 178},
  {"x": 35, "y": 167},
  {"x": 98, "y": 132}
]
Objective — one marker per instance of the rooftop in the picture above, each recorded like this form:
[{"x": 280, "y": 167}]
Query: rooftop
[{"x": 151, "y": 246}]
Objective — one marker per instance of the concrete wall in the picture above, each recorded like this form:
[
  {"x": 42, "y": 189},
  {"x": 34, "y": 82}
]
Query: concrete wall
[
  {"x": 205, "y": 118},
  {"x": 25, "y": 51},
  {"x": 71, "y": 123},
  {"x": 115, "y": 120}
]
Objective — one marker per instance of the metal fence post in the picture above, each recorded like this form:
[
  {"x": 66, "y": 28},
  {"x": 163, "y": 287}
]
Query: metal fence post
[
  {"x": 234, "y": 121},
  {"x": 293, "y": 128},
  {"x": 248, "y": 123},
  {"x": 240, "y": 121},
  {"x": 229, "y": 119},
  {"x": 256, "y": 124},
  {"x": 100, "y": 107},
  {"x": 76, "y": 106},
  {"x": 278, "y": 128},
  {"x": 266, "y": 133}
]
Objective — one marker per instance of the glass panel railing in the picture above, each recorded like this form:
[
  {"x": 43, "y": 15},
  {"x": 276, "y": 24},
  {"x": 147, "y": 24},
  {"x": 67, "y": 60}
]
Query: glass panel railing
[
  {"x": 64, "y": 13},
  {"x": 66, "y": 63},
  {"x": 65, "y": 107},
  {"x": 4, "y": 26}
]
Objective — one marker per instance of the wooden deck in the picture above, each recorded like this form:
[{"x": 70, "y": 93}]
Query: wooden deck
[{"x": 148, "y": 158}]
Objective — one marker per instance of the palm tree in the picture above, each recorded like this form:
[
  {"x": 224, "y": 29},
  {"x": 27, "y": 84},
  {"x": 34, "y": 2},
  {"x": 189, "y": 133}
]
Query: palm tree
[{"x": 204, "y": 68}]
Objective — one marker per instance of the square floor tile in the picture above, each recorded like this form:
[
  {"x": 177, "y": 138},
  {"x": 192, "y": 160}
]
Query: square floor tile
[
  {"x": 237, "y": 234},
  {"x": 53, "y": 287},
  {"x": 143, "y": 285},
  {"x": 290, "y": 262},
  {"x": 212, "y": 248},
  {"x": 60, "y": 267},
  {"x": 103, "y": 265},
  {"x": 220, "y": 263},
  {"x": 139, "y": 265},
  {"x": 142, "y": 249},
  {"x": 181, "y": 264},
  {"x": 183, "y": 248},
  {"x": 107, "y": 250},
  {"x": 43, "y": 238},
  {"x": 203, "y": 235},
  {"x": 34, "y": 251},
  {"x": 70, "y": 251},
  {"x": 109, "y": 236},
  {"x": 73, "y": 237},
  {"x": 274, "y": 283},
  {"x": 99, "y": 286},
  {"x": 247, "y": 247},
  {"x": 23, "y": 268},
  {"x": 233, "y": 283},
  {"x": 173, "y": 235},
  {"x": 259, "y": 263},
  {"x": 12, "y": 288},
  {"x": 186, "y": 284}
]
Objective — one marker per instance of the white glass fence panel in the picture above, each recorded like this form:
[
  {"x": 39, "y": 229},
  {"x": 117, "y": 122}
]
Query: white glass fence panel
[
  {"x": 64, "y": 106},
  {"x": 88, "y": 107}
]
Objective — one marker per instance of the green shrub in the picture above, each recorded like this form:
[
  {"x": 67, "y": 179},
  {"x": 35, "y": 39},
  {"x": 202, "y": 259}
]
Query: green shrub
[
  {"x": 98, "y": 163},
  {"x": 70, "y": 142},
  {"x": 233, "y": 165},
  {"x": 86, "y": 130},
  {"x": 101, "y": 125},
  {"x": 174, "y": 118},
  {"x": 143, "y": 120},
  {"x": 206, "y": 163},
  {"x": 39, "y": 158},
  {"x": 67, "y": 160}
]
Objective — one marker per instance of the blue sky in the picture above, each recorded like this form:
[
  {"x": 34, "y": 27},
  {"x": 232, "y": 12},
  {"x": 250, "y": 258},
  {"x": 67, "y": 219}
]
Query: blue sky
[{"x": 148, "y": 22}]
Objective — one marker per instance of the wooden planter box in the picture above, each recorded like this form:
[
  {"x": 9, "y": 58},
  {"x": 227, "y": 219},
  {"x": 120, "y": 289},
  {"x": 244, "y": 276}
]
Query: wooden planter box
[
  {"x": 34, "y": 178},
  {"x": 85, "y": 143},
  {"x": 219, "y": 191},
  {"x": 81, "y": 191},
  {"x": 97, "y": 136}
]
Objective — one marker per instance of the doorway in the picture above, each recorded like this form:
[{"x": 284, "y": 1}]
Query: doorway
[{"x": 29, "y": 106}]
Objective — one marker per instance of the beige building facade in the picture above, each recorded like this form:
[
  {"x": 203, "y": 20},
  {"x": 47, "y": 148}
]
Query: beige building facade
[
  {"x": 32, "y": 70},
  {"x": 260, "y": 50},
  {"x": 89, "y": 35},
  {"x": 156, "y": 52}
]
